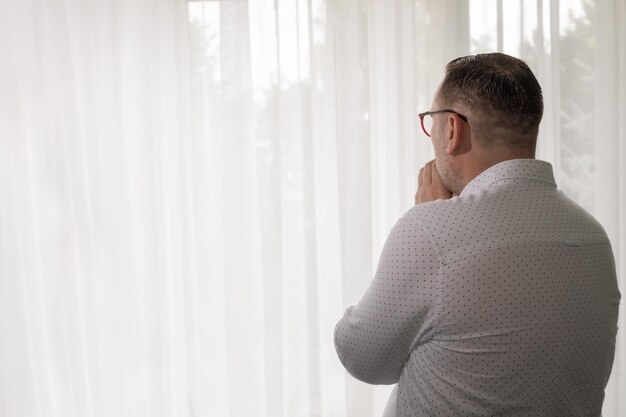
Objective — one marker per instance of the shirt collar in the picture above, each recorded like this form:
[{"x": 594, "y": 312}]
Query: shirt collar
[{"x": 525, "y": 169}]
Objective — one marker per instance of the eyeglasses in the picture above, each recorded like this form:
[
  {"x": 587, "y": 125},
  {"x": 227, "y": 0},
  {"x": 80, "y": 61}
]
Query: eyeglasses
[{"x": 427, "y": 120}]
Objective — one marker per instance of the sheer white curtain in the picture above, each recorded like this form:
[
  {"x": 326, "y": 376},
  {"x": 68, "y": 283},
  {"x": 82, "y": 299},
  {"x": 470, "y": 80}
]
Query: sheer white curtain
[
  {"x": 192, "y": 192},
  {"x": 97, "y": 307}
]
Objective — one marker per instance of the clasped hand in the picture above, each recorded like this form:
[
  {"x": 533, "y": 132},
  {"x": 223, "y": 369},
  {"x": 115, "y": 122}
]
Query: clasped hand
[{"x": 429, "y": 185}]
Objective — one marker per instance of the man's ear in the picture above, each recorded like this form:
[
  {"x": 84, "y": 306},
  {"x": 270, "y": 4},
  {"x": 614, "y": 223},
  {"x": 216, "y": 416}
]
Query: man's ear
[{"x": 457, "y": 136}]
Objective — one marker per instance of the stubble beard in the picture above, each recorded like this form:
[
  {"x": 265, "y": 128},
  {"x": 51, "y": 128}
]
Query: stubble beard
[{"x": 448, "y": 178}]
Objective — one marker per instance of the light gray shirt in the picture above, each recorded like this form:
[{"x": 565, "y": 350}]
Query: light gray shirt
[{"x": 501, "y": 301}]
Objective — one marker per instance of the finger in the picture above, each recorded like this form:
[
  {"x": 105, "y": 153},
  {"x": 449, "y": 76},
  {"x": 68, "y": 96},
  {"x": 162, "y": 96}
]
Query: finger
[
  {"x": 420, "y": 177},
  {"x": 428, "y": 174},
  {"x": 435, "y": 175}
]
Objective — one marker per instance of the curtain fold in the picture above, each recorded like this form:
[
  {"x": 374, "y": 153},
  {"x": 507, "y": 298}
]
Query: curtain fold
[
  {"x": 93, "y": 237},
  {"x": 610, "y": 182},
  {"x": 191, "y": 193}
]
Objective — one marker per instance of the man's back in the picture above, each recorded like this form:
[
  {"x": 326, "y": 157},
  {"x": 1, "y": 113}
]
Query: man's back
[{"x": 509, "y": 303}]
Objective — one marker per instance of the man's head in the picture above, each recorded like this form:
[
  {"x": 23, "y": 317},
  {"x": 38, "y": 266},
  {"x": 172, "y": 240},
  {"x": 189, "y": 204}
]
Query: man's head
[
  {"x": 503, "y": 103},
  {"x": 500, "y": 92}
]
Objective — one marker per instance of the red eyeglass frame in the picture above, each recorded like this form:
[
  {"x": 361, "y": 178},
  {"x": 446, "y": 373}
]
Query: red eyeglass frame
[{"x": 428, "y": 113}]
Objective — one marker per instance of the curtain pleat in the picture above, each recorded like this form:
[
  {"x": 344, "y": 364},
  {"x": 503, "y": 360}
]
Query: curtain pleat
[{"x": 610, "y": 183}]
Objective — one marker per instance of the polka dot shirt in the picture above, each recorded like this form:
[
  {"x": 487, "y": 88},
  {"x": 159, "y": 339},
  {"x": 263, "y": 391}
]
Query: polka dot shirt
[{"x": 502, "y": 301}]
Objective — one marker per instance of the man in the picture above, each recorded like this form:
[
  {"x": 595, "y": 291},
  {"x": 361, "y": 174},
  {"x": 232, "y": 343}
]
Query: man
[{"x": 495, "y": 294}]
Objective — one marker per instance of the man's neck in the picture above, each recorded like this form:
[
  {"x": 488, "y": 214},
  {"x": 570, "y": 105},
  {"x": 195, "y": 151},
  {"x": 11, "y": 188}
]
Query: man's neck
[{"x": 475, "y": 165}]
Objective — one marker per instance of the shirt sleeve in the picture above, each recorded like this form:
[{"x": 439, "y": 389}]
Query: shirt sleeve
[{"x": 375, "y": 337}]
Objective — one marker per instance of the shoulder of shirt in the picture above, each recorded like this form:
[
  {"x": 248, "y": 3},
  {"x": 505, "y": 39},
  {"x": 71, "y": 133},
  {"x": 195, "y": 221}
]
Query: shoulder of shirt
[
  {"x": 459, "y": 216},
  {"x": 431, "y": 218},
  {"x": 436, "y": 211}
]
